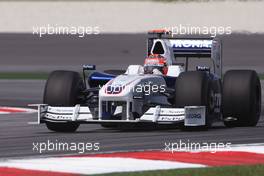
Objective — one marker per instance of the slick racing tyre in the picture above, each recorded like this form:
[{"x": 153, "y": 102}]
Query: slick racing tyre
[
  {"x": 241, "y": 98},
  {"x": 194, "y": 88},
  {"x": 63, "y": 89}
]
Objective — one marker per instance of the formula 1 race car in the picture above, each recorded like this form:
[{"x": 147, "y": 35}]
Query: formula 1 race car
[{"x": 170, "y": 89}]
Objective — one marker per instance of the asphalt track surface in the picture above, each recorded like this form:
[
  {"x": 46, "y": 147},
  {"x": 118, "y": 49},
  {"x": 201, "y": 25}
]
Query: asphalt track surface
[
  {"x": 17, "y": 137},
  {"x": 27, "y": 52}
]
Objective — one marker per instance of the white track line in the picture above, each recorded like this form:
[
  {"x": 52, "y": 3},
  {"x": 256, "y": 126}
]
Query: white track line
[{"x": 94, "y": 165}]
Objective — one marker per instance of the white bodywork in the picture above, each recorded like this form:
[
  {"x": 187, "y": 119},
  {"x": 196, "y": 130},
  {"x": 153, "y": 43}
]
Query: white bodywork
[
  {"x": 135, "y": 70},
  {"x": 175, "y": 70},
  {"x": 124, "y": 87}
]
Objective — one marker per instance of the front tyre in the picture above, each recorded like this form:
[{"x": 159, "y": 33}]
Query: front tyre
[
  {"x": 194, "y": 88},
  {"x": 63, "y": 89}
]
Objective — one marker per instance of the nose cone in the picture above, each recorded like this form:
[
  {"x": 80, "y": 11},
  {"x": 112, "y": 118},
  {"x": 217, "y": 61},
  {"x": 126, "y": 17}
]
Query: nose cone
[{"x": 121, "y": 86}]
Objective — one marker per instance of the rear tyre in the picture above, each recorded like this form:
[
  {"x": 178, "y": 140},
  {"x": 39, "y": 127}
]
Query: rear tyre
[
  {"x": 194, "y": 89},
  {"x": 241, "y": 98},
  {"x": 63, "y": 89}
]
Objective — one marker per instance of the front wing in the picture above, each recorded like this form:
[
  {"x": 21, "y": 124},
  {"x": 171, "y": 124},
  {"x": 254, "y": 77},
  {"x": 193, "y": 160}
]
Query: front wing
[{"x": 190, "y": 115}]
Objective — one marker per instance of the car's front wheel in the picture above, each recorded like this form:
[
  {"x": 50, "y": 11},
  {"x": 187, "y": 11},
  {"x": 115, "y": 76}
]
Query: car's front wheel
[
  {"x": 62, "y": 89},
  {"x": 194, "y": 88}
]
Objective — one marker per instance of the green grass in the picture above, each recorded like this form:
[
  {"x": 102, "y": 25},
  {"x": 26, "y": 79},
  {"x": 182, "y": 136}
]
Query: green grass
[
  {"x": 255, "y": 170},
  {"x": 23, "y": 75},
  {"x": 261, "y": 76}
]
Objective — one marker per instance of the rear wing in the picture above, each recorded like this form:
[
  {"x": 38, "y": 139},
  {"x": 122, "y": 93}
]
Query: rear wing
[
  {"x": 187, "y": 47},
  {"x": 191, "y": 47}
]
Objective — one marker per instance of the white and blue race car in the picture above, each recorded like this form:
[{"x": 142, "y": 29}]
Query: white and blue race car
[{"x": 188, "y": 95}]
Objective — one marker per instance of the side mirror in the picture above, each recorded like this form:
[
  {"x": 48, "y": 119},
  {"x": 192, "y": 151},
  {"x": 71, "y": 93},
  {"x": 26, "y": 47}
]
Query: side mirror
[{"x": 89, "y": 67}]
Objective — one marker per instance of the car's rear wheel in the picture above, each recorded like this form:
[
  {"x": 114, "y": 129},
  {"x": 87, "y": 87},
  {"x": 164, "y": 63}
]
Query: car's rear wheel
[
  {"x": 194, "y": 89},
  {"x": 241, "y": 98},
  {"x": 62, "y": 89}
]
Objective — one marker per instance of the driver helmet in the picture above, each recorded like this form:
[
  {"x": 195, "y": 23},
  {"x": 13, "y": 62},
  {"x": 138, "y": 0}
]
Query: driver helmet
[{"x": 155, "y": 62}]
